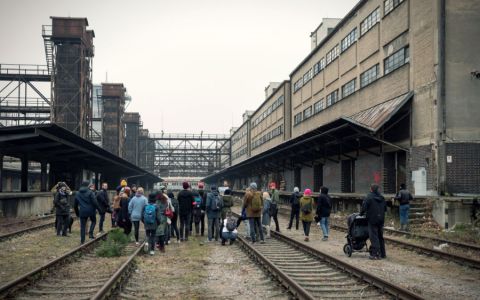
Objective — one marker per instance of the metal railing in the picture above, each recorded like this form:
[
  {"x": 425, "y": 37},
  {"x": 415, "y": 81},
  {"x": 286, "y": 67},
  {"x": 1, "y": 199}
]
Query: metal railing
[
  {"x": 183, "y": 136},
  {"x": 23, "y": 69}
]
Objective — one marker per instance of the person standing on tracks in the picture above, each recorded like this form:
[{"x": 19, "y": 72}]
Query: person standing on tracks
[
  {"x": 267, "y": 208},
  {"x": 253, "y": 204},
  {"x": 404, "y": 197},
  {"x": 103, "y": 205},
  {"x": 151, "y": 220},
  {"x": 323, "y": 211},
  {"x": 85, "y": 207},
  {"x": 62, "y": 209},
  {"x": 227, "y": 203},
  {"x": 123, "y": 218},
  {"x": 203, "y": 195},
  {"x": 135, "y": 209},
  {"x": 213, "y": 207},
  {"x": 295, "y": 212},
  {"x": 374, "y": 207},
  {"x": 275, "y": 195},
  {"x": 185, "y": 200},
  {"x": 161, "y": 231},
  {"x": 306, "y": 212},
  {"x": 174, "y": 232}
]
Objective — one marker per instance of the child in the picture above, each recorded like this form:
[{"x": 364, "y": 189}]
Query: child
[{"x": 267, "y": 202}]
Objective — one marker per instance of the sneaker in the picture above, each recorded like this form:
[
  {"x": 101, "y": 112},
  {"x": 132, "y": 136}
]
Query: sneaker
[
  {"x": 325, "y": 238},
  {"x": 178, "y": 241},
  {"x": 92, "y": 237},
  {"x": 223, "y": 242},
  {"x": 151, "y": 252},
  {"x": 289, "y": 228},
  {"x": 231, "y": 242},
  {"x": 372, "y": 257},
  {"x": 262, "y": 242},
  {"x": 137, "y": 243},
  {"x": 307, "y": 239}
]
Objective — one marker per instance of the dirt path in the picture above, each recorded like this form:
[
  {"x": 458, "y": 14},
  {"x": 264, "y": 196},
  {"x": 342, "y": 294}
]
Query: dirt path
[{"x": 197, "y": 270}]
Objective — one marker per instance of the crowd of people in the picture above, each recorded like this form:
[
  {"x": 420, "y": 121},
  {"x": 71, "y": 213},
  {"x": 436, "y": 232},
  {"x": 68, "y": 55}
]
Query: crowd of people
[{"x": 162, "y": 211}]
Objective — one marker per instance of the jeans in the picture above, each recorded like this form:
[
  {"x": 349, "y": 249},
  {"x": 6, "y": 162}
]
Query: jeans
[
  {"x": 136, "y": 225},
  {"x": 213, "y": 228},
  {"x": 174, "y": 228},
  {"x": 150, "y": 233},
  {"x": 294, "y": 214},
  {"x": 62, "y": 224},
  {"x": 229, "y": 235},
  {"x": 83, "y": 227},
  {"x": 324, "y": 224},
  {"x": 100, "y": 223},
  {"x": 404, "y": 213},
  {"x": 375, "y": 233},
  {"x": 254, "y": 226},
  {"x": 184, "y": 226},
  {"x": 306, "y": 227}
]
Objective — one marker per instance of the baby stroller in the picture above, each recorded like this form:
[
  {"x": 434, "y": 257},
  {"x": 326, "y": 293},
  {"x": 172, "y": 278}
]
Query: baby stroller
[{"x": 357, "y": 234}]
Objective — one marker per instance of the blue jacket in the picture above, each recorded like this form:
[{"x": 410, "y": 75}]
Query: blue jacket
[
  {"x": 85, "y": 199},
  {"x": 266, "y": 212},
  {"x": 135, "y": 207},
  {"x": 211, "y": 214}
]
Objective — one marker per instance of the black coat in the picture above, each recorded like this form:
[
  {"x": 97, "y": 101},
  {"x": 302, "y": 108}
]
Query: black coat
[
  {"x": 185, "y": 202},
  {"x": 203, "y": 194},
  {"x": 103, "y": 202},
  {"x": 374, "y": 207},
  {"x": 62, "y": 206},
  {"x": 295, "y": 207},
  {"x": 324, "y": 206},
  {"x": 404, "y": 197},
  {"x": 85, "y": 199}
]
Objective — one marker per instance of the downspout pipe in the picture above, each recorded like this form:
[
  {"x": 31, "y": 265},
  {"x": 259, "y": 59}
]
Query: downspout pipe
[{"x": 442, "y": 110}]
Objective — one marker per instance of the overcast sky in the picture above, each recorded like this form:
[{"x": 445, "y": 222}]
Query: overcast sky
[{"x": 189, "y": 65}]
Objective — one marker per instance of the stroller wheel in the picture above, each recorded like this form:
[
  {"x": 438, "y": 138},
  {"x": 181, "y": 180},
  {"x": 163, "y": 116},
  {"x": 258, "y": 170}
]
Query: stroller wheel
[{"x": 347, "y": 249}]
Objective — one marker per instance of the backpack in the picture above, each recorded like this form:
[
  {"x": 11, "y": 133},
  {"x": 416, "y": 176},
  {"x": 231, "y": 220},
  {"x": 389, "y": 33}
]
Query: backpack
[
  {"x": 273, "y": 209},
  {"x": 231, "y": 224},
  {"x": 307, "y": 207},
  {"x": 227, "y": 201},
  {"x": 197, "y": 202},
  {"x": 256, "y": 202},
  {"x": 150, "y": 214},
  {"x": 215, "y": 205}
]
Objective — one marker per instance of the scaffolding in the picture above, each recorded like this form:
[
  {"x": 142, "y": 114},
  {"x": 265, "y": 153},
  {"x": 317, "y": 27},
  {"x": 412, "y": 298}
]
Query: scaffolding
[
  {"x": 22, "y": 94},
  {"x": 69, "y": 51},
  {"x": 113, "y": 129},
  {"x": 190, "y": 155}
]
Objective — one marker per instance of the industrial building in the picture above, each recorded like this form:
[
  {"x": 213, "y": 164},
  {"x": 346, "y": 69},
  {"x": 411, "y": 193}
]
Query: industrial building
[{"x": 387, "y": 95}]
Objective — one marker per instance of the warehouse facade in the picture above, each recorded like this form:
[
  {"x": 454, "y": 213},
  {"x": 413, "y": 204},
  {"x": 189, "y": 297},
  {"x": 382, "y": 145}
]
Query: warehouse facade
[{"x": 387, "y": 97}]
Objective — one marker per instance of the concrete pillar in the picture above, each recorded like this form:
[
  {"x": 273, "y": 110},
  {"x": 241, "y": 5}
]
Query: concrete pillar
[
  {"x": 1, "y": 172},
  {"x": 43, "y": 176},
  {"x": 24, "y": 174}
]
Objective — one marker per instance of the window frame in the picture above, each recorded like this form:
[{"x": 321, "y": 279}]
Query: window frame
[
  {"x": 370, "y": 23},
  {"x": 349, "y": 85},
  {"x": 371, "y": 79},
  {"x": 396, "y": 63},
  {"x": 348, "y": 41}
]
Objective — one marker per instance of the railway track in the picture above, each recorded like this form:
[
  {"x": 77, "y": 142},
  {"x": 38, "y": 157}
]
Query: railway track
[
  {"x": 78, "y": 274},
  {"x": 460, "y": 259},
  {"x": 311, "y": 274},
  {"x": 22, "y": 231}
]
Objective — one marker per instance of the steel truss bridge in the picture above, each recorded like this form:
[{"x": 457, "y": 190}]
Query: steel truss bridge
[{"x": 190, "y": 155}]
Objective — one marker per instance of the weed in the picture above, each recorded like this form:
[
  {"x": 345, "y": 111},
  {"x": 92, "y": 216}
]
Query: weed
[{"x": 114, "y": 244}]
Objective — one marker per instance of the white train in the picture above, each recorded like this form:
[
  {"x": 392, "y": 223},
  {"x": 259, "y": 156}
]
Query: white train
[{"x": 176, "y": 183}]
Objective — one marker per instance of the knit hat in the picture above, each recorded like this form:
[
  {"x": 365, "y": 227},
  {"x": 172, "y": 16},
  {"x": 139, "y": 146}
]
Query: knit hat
[
  {"x": 127, "y": 190},
  {"x": 123, "y": 183},
  {"x": 273, "y": 185},
  {"x": 227, "y": 192},
  {"x": 253, "y": 185},
  {"x": 152, "y": 197},
  {"x": 185, "y": 185},
  {"x": 296, "y": 190},
  {"x": 308, "y": 192},
  {"x": 213, "y": 187}
]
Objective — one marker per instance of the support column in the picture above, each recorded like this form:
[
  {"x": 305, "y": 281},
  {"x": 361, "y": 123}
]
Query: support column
[
  {"x": 1, "y": 172},
  {"x": 96, "y": 181},
  {"x": 43, "y": 176},
  {"x": 24, "y": 175}
]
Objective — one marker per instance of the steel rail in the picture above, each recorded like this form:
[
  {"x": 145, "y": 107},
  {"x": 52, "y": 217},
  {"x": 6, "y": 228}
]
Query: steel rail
[
  {"x": 22, "y": 280},
  {"x": 460, "y": 259},
  {"x": 392, "y": 289},
  {"x": 298, "y": 291},
  {"x": 119, "y": 276},
  {"x": 10, "y": 235}
]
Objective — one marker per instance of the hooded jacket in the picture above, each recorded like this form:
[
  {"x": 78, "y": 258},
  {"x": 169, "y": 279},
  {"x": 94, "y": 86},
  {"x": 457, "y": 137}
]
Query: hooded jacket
[
  {"x": 62, "y": 206},
  {"x": 324, "y": 204},
  {"x": 213, "y": 214},
  {"x": 103, "y": 201},
  {"x": 247, "y": 204},
  {"x": 135, "y": 207},
  {"x": 374, "y": 208},
  {"x": 185, "y": 202},
  {"x": 293, "y": 197},
  {"x": 85, "y": 203},
  {"x": 304, "y": 201}
]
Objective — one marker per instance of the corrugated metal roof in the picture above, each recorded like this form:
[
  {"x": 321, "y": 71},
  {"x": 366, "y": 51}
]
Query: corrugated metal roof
[{"x": 375, "y": 117}]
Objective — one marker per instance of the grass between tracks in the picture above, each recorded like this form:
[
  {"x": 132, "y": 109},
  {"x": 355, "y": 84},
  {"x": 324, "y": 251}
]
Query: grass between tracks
[{"x": 114, "y": 244}]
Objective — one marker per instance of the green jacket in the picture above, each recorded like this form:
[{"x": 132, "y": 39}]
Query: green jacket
[
  {"x": 275, "y": 196},
  {"x": 162, "y": 226},
  {"x": 307, "y": 201}
]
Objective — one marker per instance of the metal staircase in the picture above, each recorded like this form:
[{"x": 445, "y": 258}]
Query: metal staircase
[{"x": 47, "y": 40}]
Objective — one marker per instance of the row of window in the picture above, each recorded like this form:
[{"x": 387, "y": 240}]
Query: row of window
[
  {"x": 391, "y": 63},
  {"x": 349, "y": 40},
  {"x": 238, "y": 137},
  {"x": 370, "y": 21},
  {"x": 240, "y": 153},
  {"x": 268, "y": 136},
  {"x": 390, "y": 5},
  {"x": 276, "y": 104}
]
